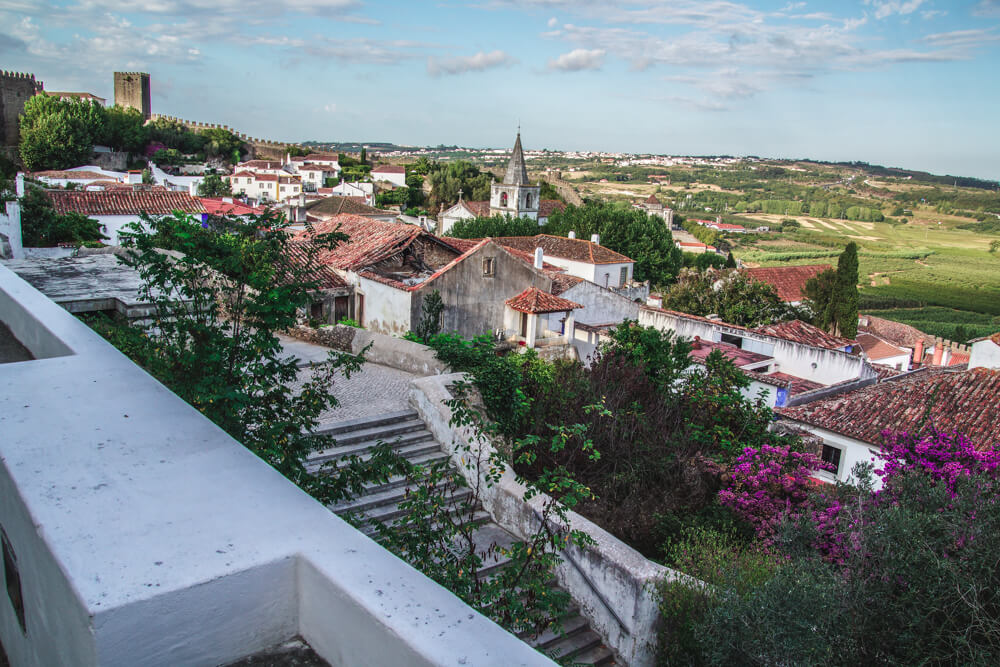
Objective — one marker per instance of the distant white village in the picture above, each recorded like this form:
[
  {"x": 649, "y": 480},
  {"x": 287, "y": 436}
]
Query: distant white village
[{"x": 560, "y": 296}]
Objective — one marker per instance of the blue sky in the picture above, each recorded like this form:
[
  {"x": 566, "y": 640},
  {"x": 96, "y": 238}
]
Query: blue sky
[{"x": 909, "y": 83}]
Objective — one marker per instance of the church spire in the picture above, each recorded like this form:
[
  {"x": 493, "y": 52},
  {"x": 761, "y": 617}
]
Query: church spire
[{"x": 517, "y": 172}]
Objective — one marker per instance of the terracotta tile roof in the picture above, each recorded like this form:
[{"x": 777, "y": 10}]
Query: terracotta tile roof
[
  {"x": 577, "y": 250},
  {"x": 651, "y": 199},
  {"x": 123, "y": 202},
  {"x": 535, "y": 301},
  {"x": 547, "y": 207},
  {"x": 798, "y": 331},
  {"x": 215, "y": 206},
  {"x": 725, "y": 226},
  {"x": 563, "y": 281},
  {"x": 884, "y": 372},
  {"x": 796, "y": 384},
  {"x": 894, "y": 333},
  {"x": 787, "y": 281},
  {"x": 370, "y": 241},
  {"x": 700, "y": 349},
  {"x": 460, "y": 244},
  {"x": 389, "y": 169},
  {"x": 69, "y": 175},
  {"x": 318, "y": 157},
  {"x": 336, "y": 205},
  {"x": 480, "y": 209},
  {"x": 324, "y": 275},
  {"x": 259, "y": 164},
  {"x": 876, "y": 348},
  {"x": 965, "y": 401}
]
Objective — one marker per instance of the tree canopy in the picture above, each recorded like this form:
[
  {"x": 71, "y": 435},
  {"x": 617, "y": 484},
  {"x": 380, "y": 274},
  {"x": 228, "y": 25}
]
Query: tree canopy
[
  {"x": 630, "y": 231},
  {"x": 496, "y": 226},
  {"x": 832, "y": 296},
  {"x": 42, "y": 227},
  {"x": 730, "y": 294}
]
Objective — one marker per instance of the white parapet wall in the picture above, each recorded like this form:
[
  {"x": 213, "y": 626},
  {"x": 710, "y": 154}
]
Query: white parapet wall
[
  {"x": 615, "y": 585},
  {"x": 138, "y": 533}
]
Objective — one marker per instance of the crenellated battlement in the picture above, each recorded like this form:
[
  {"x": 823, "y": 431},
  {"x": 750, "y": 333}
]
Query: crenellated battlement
[
  {"x": 16, "y": 88},
  {"x": 198, "y": 126}
]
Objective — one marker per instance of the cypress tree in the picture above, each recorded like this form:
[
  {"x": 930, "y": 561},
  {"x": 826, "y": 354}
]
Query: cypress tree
[
  {"x": 845, "y": 293},
  {"x": 730, "y": 261}
]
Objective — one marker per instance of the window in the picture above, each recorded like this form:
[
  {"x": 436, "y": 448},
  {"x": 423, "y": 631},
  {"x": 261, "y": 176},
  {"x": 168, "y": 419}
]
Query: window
[
  {"x": 732, "y": 340},
  {"x": 489, "y": 267},
  {"x": 503, "y": 198},
  {"x": 282, "y": 188},
  {"x": 527, "y": 200},
  {"x": 831, "y": 455},
  {"x": 624, "y": 277}
]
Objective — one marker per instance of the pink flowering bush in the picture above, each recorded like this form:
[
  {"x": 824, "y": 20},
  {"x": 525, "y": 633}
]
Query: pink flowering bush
[{"x": 770, "y": 485}]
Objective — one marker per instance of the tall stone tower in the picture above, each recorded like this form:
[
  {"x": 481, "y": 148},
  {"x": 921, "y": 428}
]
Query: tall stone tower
[
  {"x": 15, "y": 89},
  {"x": 516, "y": 196},
  {"x": 132, "y": 90}
]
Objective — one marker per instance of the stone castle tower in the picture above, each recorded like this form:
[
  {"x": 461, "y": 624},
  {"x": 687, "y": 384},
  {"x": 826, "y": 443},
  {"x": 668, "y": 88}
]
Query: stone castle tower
[
  {"x": 132, "y": 90},
  {"x": 15, "y": 89},
  {"x": 516, "y": 196}
]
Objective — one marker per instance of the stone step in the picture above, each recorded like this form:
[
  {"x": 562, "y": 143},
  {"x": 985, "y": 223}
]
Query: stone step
[
  {"x": 570, "y": 626},
  {"x": 382, "y": 432},
  {"x": 600, "y": 656},
  {"x": 570, "y": 646},
  {"x": 389, "y": 511},
  {"x": 389, "y": 494},
  {"x": 424, "y": 460},
  {"x": 333, "y": 428},
  {"x": 408, "y": 445},
  {"x": 479, "y": 518}
]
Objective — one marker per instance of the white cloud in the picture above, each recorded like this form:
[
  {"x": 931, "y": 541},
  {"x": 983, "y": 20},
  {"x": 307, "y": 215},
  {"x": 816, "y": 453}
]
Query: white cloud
[
  {"x": 886, "y": 8},
  {"x": 579, "y": 59},
  {"x": 963, "y": 38},
  {"x": 553, "y": 22},
  {"x": 476, "y": 63},
  {"x": 330, "y": 108}
]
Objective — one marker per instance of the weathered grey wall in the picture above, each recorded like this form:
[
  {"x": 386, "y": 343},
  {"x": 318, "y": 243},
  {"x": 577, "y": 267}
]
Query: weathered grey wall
[
  {"x": 15, "y": 89},
  {"x": 132, "y": 90},
  {"x": 474, "y": 303}
]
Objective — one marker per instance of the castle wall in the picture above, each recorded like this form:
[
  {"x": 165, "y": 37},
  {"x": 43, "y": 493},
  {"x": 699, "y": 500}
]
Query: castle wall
[
  {"x": 132, "y": 90},
  {"x": 262, "y": 149},
  {"x": 15, "y": 89}
]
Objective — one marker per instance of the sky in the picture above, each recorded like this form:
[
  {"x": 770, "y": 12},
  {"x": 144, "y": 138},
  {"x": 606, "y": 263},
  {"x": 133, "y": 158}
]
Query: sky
[{"x": 908, "y": 83}]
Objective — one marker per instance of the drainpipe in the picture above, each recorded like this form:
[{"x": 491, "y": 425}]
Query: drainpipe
[{"x": 539, "y": 258}]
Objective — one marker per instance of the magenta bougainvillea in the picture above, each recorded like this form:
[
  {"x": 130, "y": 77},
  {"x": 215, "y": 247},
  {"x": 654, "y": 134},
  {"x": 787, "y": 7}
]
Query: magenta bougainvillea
[{"x": 771, "y": 484}]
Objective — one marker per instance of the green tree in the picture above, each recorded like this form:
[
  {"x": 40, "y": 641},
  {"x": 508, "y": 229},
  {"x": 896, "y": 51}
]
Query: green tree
[
  {"x": 213, "y": 185},
  {"x": 846, "y": 293},
  {"x": 446, "y": 179},
  {"x": 57, "y": 134},
  {"x": 364, "y": 155},
  {"x": 730, "y": 261},
  {"x": 124, "y": 129},
  {"x": 430, "y": 322},
  {"x": 730, "y": 294},
  {"x": 42, "y": 227},
  {"x": 496, "y": 226},
  {"x": 222, "y": 143},
  {"x": 629, "y": 231}
]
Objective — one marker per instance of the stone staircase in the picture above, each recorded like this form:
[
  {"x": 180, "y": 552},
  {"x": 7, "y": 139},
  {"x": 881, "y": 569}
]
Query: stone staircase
[{"x": 577, "y": 643}]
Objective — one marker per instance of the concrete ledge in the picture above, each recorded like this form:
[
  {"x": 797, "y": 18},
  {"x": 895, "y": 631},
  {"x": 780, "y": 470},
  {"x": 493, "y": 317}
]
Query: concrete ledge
[
  {"x": 609, "y": 569},
  {"x": 143, "y": 534},
  {"x": 385, "y": 350}
]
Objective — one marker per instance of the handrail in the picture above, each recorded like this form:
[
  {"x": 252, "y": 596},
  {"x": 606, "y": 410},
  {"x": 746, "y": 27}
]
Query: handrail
[{"x": 593, "y": 587}]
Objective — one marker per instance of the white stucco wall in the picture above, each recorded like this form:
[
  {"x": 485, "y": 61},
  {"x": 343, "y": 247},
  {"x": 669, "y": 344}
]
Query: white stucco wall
[
  {"x": 984, "y": 354},
  {"x": 398, "y": 180},
  {"x": 900, "y": 361},
  {"x": 387, "y": 309},
  {"x": 600, "y": 306},
  {"x": 144, "y": 534},
  {"x": 852, "y": 452},
  {"x": 10, "y": 227},
  {"x": 111, "y": 225}
]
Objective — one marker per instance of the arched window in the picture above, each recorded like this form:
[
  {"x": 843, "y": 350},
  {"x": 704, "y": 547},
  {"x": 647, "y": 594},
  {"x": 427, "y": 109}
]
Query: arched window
[
  {"x": 503, "y": 198},
  {"x": 527, "y": 200}
]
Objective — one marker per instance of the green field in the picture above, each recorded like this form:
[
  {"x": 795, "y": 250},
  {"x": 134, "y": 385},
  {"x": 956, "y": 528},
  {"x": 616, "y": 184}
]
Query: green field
[{"x": 947, "y": 274}]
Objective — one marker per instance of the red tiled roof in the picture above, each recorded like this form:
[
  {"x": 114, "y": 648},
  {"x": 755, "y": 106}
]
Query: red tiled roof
[
  {"x": 259, "y": 164},
  {"x": 894, "y": 333},
  {"x": 324, "y": 275},
  {"x": 215, "y": 206},
  {"x": 123, "y": 202},
  {"x": 461, "y": 244},
  {"x": 796, "y": 384},
  {"x": 700, "y": 349},
  {"x": 577, "y": 250},
  {"x": 480, "y": 209},
  {"x": 798, "y": 331},
  {"x": 389, "y": 169},
  {"x": 876, "y": 348},
  {"x": 884, "y": 372},
  {"x": 318, "y": 157},
  {"x": 337, "y": 205},
  {"x": 370, "y": 241},
  {"x": 562, "y": 281},
  {"x": 651, "y": 199},
  {"x": 723, "y": 226},
  {"x": 787, "y": 281},
  {"x": 69, "y": 175},
  {"x": 963, "y": 401},
  {"x": 547, "y": 207},
  {"x": 535, "y": 301}
]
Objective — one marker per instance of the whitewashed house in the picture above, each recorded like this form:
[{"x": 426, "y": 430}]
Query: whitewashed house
[
  {"x": 391, "y": 173},
  {"x": 114, "y": 209}
]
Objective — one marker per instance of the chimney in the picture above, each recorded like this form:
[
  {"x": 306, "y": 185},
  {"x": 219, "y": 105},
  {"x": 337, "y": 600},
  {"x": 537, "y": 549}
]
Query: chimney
[
  {"x": 302, "y": 199},
  {"x": 571, "y": 235},
  {"x": 696, "y": 345},
  {"x": 595, "y": 239},
  {"x": 539, "y": 258},
  {"x": 918, "y": 353},
  {"x": 938, "y": 353}
]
